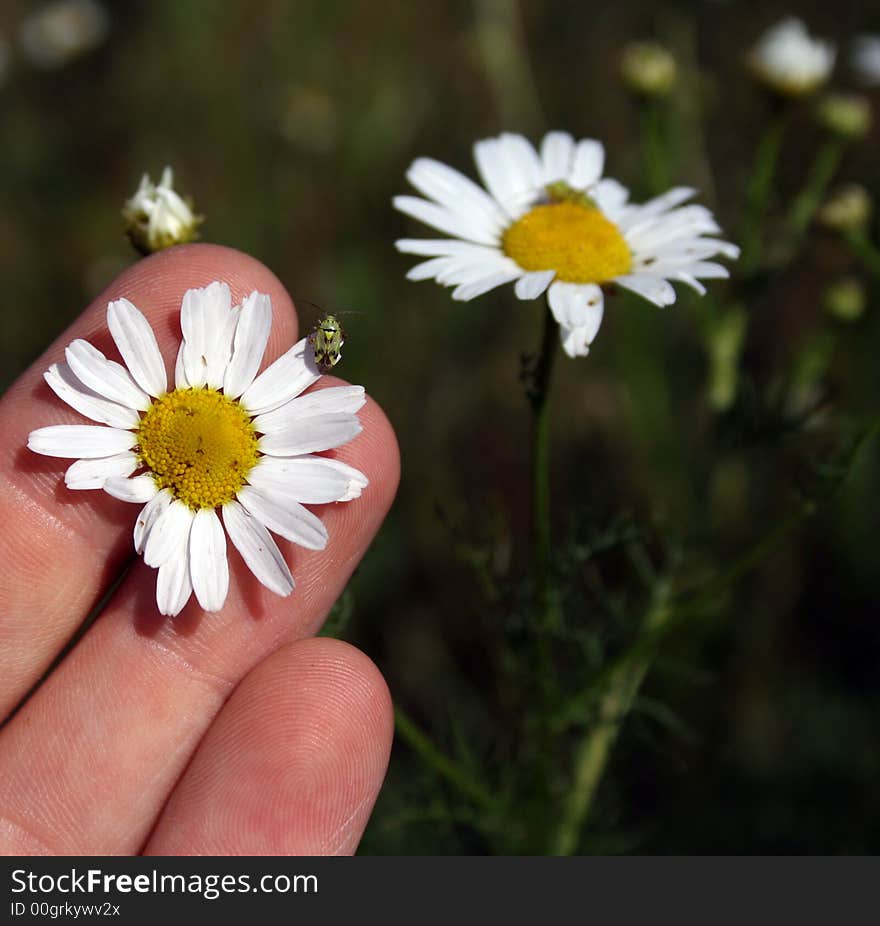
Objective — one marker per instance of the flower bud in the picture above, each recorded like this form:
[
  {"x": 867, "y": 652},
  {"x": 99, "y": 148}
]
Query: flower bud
[
  {"x": 648, "y": 69},
  {"x": 846, "y": 115},
  {"x": 156, "y": 217},
  {"x": 845, "y": 299},
  {"x": 849, "y": 209}
]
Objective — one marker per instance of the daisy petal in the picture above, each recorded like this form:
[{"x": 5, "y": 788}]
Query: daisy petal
[
  {"x": 311, "y": 435},
  {"x": 257, "y": 549},
  {"x": 140, "y": 489},
  {"x": 575, "y": 342},
  {"x": 180, "y": 380},
  {"x": 456, "y": 192},
  {"x": 137, "y": 344},
  {"x": 306, "y": 480},
  {"x": 173, "y": 582},
  {"x": 106, "y": 377},
  {"x": 287, "y": 377},
  {"x": 204, "y": 315},
  {"x": 468, "y": 291},
  {"x": 86, "y": 401},
  {"x": 510, "y": 169},
  {"x": 286, "y": 518},
  {"x": 148, "y": 516},
  {"x": 357, "y": 481},
  {"x": 577, "y": 305},
  {"x": 335, "y": 400},
  {"x": 589, "y": 160},
  {"x": 251, "y": 336},
  {"x": 451, "y": 223},
  {"x": 91, "y": 474},
  {"x": 557, "y": 152},
  {"x": 164, "y": 538},
  {"x": 208, "y": 567},
  {"x": 532, "y": 285},
  {"x": 653, "y": 288},
  {"x": 85, "y": 441}
]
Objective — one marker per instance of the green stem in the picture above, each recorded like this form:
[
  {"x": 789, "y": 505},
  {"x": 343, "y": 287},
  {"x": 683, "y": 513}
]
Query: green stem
[
  {"x": 538, "y": 396},
  {"x": 810, "y": 198},
  {"x": 865, "y": 250},
  {"x": 655, "y": 157},
  {"x": 445, "y": 767},
  {"x": 760, "y": 184},
  {"x": 592, "y": 755}
]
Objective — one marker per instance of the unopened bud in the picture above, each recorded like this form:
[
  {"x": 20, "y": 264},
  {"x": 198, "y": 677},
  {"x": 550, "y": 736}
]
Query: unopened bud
[
  {"x": 648, "y": 69},
  {"x": 157, "y": 217}
]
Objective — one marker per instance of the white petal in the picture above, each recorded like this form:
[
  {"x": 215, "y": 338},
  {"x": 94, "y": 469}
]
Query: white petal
[
  {"x": 653, "y": 288},
  {"x": 445, "y": 247},
  {"x": 137, "y": 344},
  {"x": 457, "y": 193},
  {"x": 86, "y": 401},
  {"x": 251, "y": 335},
  {"x": 287, "y": 377},
  {"x": 532, "y": 285},
  {"x": 357, "y": 481},
  {"x": 286, "y": 518},
  {"x": 575, "y": 342},
  {"x": 589, "y": 161},
  {"x": 557, "y": 152},
  {"x": 311, "y": 435},
  {"x": 140, "y": 489},
  {"x": 173, "y": 582},
  {"x": 610, "y": 197},
  {"x": 336, "y": 399},
  {"x": 577, "y": 305},
  {"x": 488, "y": 281},
  {"x": 307, "y": 480},
  {"x": 208, "y": 568},
  {"x": 451, "y": 223},
  {"x": 257, "y": 549},
  {"x": 180, "y": 380},
  {"x": 511, "y": 171},
  {"x": 148, "y": 516},
  {"x": 164, "y": 538},
  {"x": 91, "y": 474},
  {"x": 84, "y": 441},
  {"x": 204, "y": 318},
  {"x": 106, "y": 377}
]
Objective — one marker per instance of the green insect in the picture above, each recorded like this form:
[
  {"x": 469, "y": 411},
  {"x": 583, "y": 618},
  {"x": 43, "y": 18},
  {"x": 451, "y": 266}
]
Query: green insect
[
  {"x": 327, "y": 340},
  {"x": 560, "y": 192}
]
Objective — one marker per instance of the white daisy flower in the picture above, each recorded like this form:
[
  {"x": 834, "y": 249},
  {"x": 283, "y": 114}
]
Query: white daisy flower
[
  {"x": 790, "y": 61},
  {"x": 223, "y": 438},
  {"x": 865, "y": 59},
  {"x": 157, "y": 217},
  {"x": 550, "y": 222}
]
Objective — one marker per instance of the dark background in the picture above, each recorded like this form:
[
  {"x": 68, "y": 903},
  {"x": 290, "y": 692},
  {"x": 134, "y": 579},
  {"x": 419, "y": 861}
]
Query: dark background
[{"x": 292, "y": 124}]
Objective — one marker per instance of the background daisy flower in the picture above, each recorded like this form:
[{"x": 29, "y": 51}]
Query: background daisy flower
[
  {"x": 790, "y": 61},
  {"x": 548, "y": 221},
  {"x": 223, "y": 438}
]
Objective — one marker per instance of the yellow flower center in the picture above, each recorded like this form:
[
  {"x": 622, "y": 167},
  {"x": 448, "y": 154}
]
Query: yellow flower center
[
  {"x": 572, "y": 238},
  {"x": 199, "y": 444}
]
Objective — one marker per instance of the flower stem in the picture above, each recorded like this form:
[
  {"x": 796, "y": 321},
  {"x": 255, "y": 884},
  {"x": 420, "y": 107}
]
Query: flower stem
[
  {"x": 867, "y": 252},
  {"x": 808, "y": 200},
  {"x": 432, "y": 756},
  {"x": 592, "y": 755},
  {"x": 655, "y": 154},
  {"x": 760, "y": 183},
  {"x": 539, "y": 389}
]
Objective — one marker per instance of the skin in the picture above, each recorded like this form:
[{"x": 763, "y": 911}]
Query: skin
[{"x": 221, "y": 734}]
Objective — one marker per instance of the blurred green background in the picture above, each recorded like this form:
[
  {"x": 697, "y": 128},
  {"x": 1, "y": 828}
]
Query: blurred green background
[{"x": 292, "y": 125}]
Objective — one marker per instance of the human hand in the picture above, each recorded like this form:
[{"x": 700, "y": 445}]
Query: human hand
[{"x": 229, "y": 733}]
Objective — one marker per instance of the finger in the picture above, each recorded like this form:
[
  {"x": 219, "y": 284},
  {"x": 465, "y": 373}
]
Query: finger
[
  {"x": 292, "y": 764},
  {"x": 89, "y": 761},
  {"x": 44, "y": 596}
]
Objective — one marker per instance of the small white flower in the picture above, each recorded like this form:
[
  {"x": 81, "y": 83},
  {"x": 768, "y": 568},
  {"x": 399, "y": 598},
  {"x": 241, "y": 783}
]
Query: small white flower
[
  {"x": 789, "y": 61},
  {"x": 62, "y": 31},
  {"x": 549, "y": 222},
  {"x": 157, "y": 217},
  {"x": 222, "y": 438},
  {"x": 866, "y": 59}
]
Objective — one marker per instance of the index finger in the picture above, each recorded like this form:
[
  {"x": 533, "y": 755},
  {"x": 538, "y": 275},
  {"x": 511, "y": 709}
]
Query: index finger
[{"x": 45, "y": 596}]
